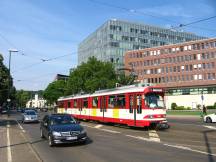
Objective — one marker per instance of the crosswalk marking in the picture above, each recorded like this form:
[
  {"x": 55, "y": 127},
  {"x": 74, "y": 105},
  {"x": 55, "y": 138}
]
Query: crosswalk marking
[
  {"x": 98, "y": 126},
  {"x": 153, "y": 136},
  {"x": 210, "y": 127}
]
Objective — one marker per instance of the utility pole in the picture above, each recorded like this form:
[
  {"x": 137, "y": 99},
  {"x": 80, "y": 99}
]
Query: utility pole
[{"x": 9, "y": 79}]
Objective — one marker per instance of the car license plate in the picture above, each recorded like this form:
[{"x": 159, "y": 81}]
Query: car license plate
[{"x": 71, "y": 138}]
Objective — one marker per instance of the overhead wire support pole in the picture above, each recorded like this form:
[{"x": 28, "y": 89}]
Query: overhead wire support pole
[{"x": 9, "y": 79}]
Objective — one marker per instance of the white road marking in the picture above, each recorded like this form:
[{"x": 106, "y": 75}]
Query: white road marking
[
  {"x": 110, "y": 131},
  {"x": 153, "y": 136},
  {"x": 189, "y": 149},
  {"x": 138, "y": 137},
  {"x": 98, "y": 126},
  {"x": 210, "y": 127},
  {"x": 87, "y": 126},
  {"x": 9, "y": 156},
  {"x": 28, "y": 143},
  {"x": 23, "y": 130}
]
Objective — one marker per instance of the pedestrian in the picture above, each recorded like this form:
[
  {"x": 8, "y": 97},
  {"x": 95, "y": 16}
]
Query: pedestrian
[{"x": 204, "y": 110}]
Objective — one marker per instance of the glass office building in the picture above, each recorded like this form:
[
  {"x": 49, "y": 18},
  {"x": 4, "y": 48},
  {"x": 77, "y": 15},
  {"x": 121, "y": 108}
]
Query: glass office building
[{"x": 110, "y": 41}]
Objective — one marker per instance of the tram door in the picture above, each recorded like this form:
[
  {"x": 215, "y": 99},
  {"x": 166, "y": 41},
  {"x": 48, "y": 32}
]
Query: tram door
[
  {"x": 103, "y": 106},
  {"x": 135, "y": 106},
  {"x": 80, "y": 106}
]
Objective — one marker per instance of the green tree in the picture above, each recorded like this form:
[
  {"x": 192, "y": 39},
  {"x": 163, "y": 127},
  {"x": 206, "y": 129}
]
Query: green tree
[
  {"x": 54, "y": 90},
  {"x": 4, "y": 79},
  {"x": 91, "y": 76},
  {"x": 126, "y": 80},
  {"x": 22, "y": 97},
  {"x": 174, "y": 106}
]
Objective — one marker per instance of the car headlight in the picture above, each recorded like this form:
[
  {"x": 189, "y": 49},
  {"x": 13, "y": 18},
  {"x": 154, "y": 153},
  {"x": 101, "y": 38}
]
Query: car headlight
[
  {"x": 56, "y": 133},
  {"x": 83, "y": 131}
]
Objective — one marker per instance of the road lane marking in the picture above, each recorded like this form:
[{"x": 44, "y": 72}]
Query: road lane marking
[
  {"x": 210, "y": 127},
  {"x": 87, "y": 126},
  {"x": 110, "y": 131},
  {"x": 29, "y": 144},
  {"x": 98, "y": 126},
  {"x": 153, "y": 136},
  {"x": 9, "y": 156},
  {"x": 188, "y": 149},
  {"x": 23, "y": 130},
  {"x": 138, "y": 137}
]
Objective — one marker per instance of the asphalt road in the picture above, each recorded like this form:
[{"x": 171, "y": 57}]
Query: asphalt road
[{"x": 188, "y": 139}]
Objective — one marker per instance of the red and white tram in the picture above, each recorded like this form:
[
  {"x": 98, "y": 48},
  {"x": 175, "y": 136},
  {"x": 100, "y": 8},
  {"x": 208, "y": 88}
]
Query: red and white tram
[{"x": 131, "y": 105}]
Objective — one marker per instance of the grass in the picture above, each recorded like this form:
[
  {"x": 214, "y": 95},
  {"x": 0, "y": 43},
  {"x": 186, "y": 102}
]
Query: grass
[{"x": 176, "y": 112}]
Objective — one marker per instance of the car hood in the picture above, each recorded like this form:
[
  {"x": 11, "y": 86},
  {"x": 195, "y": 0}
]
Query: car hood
[{"x": 66, "y": 127}]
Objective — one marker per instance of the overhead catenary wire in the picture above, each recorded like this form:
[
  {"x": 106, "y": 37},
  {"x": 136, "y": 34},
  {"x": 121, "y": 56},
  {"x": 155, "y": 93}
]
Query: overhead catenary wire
[
  {"x": 194, "y": 22},
  {"x": 180, "y": 25}
]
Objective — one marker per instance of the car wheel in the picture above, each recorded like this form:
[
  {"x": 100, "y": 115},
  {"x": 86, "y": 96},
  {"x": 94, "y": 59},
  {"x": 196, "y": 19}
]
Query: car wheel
[
  {"x": 41, "y": 133},
  {"x": 208, "y": 120},
  {"x": 51, "y": 143}
]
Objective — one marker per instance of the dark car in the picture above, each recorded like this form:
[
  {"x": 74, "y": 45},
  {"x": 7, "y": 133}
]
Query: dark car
[
  {"x": 3, "y": 110},
  {"x": 62, "y": 128}
]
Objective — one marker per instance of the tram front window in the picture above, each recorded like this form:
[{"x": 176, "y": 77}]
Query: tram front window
[{"x": 154, "y": 101}]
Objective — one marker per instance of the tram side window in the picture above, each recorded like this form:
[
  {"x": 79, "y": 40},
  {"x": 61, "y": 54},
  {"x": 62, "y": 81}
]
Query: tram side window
[
  {"x": 95, "y": 102},
  {"x": 85, "y": 103},
  {"x": 75, "y": 103},
  {"x": 69, "y": 104},
  {"x": 111, "y": 103},
  {"x": 117, "y": 101},
  {"x": 131, "y": 104},
  {"x": 61, "y": 104},
  {"x": 121, "y": 101},
  {"x": 139, "y": 104}
]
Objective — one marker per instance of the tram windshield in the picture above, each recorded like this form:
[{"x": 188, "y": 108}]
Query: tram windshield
[{"x": 154, "y": 100}]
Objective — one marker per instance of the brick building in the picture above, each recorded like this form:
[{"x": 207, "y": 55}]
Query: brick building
[{"x": 184, "y": 69}]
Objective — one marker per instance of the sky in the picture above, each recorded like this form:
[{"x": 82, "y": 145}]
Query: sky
[{"x": 52, "y": 30}]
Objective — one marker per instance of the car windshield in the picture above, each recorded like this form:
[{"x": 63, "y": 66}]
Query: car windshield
[
  {"x": 154, "y": 100},
  {"x": 56, "y": 120},
  {"x": 30, "y": 113}
]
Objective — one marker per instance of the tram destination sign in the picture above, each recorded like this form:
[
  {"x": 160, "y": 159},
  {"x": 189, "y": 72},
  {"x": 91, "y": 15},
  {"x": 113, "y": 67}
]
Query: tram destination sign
[{"x": 157, "y": 90}]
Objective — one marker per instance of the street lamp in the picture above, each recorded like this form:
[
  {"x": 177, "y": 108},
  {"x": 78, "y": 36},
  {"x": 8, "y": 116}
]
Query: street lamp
[{"x": 9, "y": 79}]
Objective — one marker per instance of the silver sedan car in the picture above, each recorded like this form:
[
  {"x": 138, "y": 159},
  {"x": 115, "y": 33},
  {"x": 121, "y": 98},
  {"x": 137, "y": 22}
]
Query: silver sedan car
[{"x": 29, "y": 116}]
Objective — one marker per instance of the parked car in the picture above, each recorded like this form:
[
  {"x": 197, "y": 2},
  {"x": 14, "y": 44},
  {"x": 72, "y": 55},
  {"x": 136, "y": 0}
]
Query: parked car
[
  {"x": 3, "y": 110},
  {"x": 62, "y": 128},
  {"x": 29, "y": 116},
  {"x": 210, "y": 118}
]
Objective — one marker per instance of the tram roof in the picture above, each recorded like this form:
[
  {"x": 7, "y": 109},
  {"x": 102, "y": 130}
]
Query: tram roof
[{"x": 118, "y": 90}]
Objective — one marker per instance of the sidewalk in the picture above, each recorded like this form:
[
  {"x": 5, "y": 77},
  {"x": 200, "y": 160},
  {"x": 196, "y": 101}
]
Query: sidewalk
[{"x": 14, "y": 146}]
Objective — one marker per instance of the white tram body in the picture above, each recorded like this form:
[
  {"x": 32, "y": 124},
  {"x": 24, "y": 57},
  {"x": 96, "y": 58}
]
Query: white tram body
[{"x": 134, "y": 105}]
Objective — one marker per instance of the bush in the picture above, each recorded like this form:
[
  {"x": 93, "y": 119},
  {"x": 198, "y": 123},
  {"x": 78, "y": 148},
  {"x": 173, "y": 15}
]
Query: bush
[
  {"x": 188, "y": 108},
  {"x": 174, "y": 106},
  {"x": 210, "y": 107},
  {"x": 180, "y": 108}
]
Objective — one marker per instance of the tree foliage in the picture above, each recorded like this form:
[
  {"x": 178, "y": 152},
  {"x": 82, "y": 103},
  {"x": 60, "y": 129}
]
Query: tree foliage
[
  {"x": 91, "y": 76},
  {"x": 4, "y": 79},
  {"x": 22, "y": 97},
  {"x": 87, "y": 78},
  {"x": 54, "y": 90}
]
